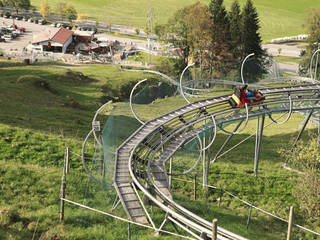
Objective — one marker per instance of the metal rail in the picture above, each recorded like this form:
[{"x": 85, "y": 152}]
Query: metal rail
[{"x": 168, "y": 132}]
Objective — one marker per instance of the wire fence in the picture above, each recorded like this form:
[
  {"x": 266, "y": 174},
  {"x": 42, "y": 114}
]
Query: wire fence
[{"x": 249, "y": 204}]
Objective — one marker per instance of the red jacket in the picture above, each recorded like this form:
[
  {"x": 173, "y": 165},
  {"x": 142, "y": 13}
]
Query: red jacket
[{"x": 243, "y": 97}]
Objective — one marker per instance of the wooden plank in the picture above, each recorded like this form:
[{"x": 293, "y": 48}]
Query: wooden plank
[
  {"x": 129, "y": 197},
  {"x": 121, "y": 170},
  {"x": 124, "y": 185},
  {"x": 126, "y": 190},
  {"x": 163, "y": 184},
  {"x": 123, "y": 174},
  {"x": 122, "y": 179},
  {"x": 141, "y": 220},
  {"x": 134, "y": 205},
  {"x": 136, "y": 212}
]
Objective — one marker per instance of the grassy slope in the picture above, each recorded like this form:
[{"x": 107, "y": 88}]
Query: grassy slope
[
  {"x": 278, "y": 18},
  {"x": 36, "y": 124},
  {"x": 31, "y": 191}
]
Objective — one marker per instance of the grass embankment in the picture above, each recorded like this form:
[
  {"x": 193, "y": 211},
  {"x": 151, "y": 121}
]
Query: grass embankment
[
  {"x": 44, "y": 109},
  {"x": 277, "y": 18},
  {"x": 285, "y": 59}
]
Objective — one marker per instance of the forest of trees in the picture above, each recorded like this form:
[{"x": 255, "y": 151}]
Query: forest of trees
[{"x": 216, "y": 38}]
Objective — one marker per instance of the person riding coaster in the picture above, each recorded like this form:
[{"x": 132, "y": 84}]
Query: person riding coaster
[{"x": 243, "y": 95}]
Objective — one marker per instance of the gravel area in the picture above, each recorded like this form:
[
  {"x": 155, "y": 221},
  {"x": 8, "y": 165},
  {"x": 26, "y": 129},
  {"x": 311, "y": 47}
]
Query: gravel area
[{"x": 17, "y": 45}]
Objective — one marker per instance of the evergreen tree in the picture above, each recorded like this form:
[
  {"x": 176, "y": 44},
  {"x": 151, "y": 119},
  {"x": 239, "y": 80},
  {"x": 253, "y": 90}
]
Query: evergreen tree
[
  {"x": 221, "y": 39},
  {"x": 251, "y": 39},
  {"x": 235, "y": 30},
  {"x": 251, "y": 43}
]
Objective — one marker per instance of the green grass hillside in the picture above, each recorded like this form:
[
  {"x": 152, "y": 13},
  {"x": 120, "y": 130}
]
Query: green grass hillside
[
  {"x": 45, "y": 108},
  {"x": 277, "y": 18}
]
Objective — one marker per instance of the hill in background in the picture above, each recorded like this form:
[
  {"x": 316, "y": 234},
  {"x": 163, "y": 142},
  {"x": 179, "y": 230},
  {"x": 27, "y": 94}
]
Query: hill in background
[{"x": 278, "y": 18}]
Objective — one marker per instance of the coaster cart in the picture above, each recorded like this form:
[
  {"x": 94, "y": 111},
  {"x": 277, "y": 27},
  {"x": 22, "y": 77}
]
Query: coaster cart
[{"x": 237, "y": 100}]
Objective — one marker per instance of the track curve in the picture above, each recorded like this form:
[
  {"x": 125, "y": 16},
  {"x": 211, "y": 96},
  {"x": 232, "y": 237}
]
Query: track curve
[{"x": 140, "y": 160}]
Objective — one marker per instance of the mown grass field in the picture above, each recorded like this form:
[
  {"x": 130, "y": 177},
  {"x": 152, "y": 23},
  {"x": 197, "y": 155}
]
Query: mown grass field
[
  {"x": 45, "y": 108},
  {"x": 277, "y": 18}
]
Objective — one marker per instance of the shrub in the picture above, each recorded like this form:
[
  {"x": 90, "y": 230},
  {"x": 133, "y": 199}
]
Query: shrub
[{"x": 306, "y": 158}]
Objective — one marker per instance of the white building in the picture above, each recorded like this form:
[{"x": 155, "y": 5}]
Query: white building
[{"x": 53, "y": 40}]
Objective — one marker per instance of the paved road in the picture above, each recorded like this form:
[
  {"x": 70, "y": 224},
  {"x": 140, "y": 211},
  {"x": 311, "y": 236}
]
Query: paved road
[
  {"x": 124, "y": 40},
  {"x": 287, "y": 49}
]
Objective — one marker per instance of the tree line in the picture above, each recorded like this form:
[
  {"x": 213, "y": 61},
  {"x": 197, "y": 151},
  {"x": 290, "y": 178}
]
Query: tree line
[{"x": 217, "y": 38}]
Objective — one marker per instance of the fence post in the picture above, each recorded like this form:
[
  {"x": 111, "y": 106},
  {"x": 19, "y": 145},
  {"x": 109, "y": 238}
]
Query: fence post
[
  {"x": 221, "y": 193},
  {"x": 195, "y": 187},
  {"x": 67, "y": 159},
  {"x": 290, "y": 223},
  {"x": 62, "y": 191},
  {"x": 214, "y": 229},
  {"x": 249, "y": 216}
]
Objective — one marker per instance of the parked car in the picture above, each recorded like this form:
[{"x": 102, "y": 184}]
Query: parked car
[
  {"x": 1, "y": 14},
  {"x": 42, "y": 21},
  {"x": 3, "y": 30},
  {"x": 7, "y": 14},
  {"x": 18, "y": 17},
  {"x": 53, "y": 25},
  {"x": 8, "y": 37},
  {"x": 15, "y": 34},
  {"x": 36, "y": 21},
  {"x": 66, "y": 26},
  {"x": 2, "y": 39},
  {"x": 59, "y": 25},
  {"x": 30, "y": 20},
  {"x": 93, "y": 29}
]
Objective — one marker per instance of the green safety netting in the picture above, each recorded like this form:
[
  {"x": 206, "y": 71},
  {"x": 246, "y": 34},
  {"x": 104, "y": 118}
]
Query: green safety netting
[{"x": 153, "y": 98}]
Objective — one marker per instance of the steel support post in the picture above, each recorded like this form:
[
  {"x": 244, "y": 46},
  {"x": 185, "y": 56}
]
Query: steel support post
[
  {"x": 318, "y": 142},
  {"x": 204, "y": 168},
  {"x": 249, "y": 217},
  {"x": 163, "y": 223},
  {"x": 115, "y": 203},
  {"x": 227, "y": 140},
  {"x": 129, "y": 231},
  {"x": 170, "y": 176},
  {"x": 208, "y": 166},
  {"x": 259, "y": 135},
  {"x": 302, "y": 129}
]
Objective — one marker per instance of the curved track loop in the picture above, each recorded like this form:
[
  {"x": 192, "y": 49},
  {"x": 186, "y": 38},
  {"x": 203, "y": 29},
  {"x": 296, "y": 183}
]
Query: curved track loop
[
  {"x": 94, "y": 119},
  {"x": 141, "y": 159},
  {"x": 130, "y": 100},
  {"x": 287, "y": 118}
]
